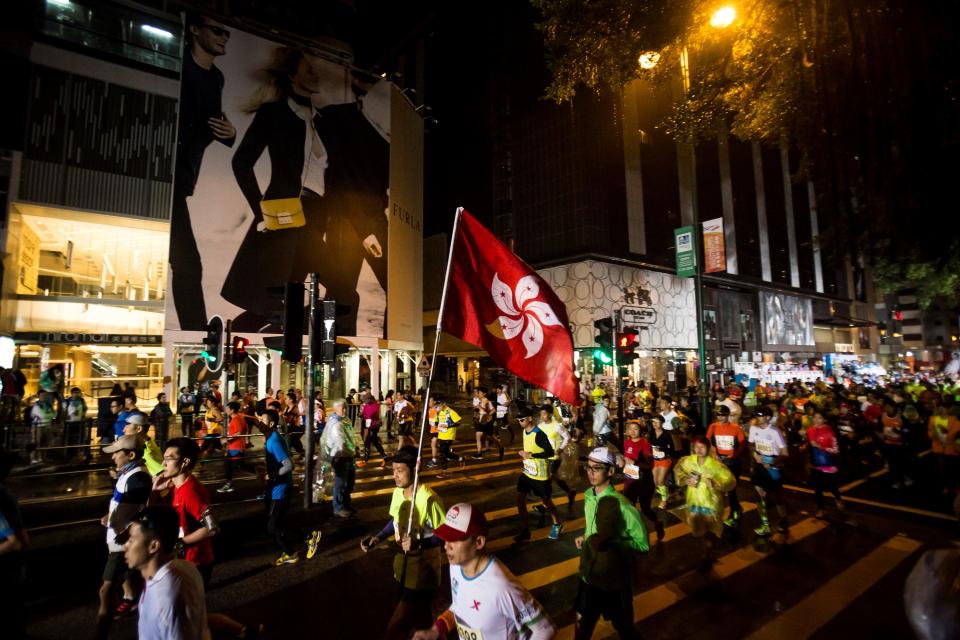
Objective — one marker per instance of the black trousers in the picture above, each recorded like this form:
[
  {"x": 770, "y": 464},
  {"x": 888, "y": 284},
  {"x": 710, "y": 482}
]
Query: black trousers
[
  {"x": 276, "y": 511},
  {"x": 186, "y": 268},
  {"x": 824, "y": 482}
]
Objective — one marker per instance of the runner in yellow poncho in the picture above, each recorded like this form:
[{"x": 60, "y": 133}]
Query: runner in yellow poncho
[{"x": 706, "y": 479}]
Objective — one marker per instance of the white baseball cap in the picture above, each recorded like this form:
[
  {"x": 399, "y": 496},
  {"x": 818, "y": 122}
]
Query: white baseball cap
[
  {"x": 603, "y": 456},
  {"x": 463, "y": 521}
]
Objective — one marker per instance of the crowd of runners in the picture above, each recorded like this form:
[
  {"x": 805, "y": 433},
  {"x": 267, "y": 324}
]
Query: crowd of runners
[{"x": 160, "y": 520}]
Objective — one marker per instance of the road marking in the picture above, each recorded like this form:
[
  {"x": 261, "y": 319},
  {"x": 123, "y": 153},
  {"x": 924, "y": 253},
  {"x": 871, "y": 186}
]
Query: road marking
[
  {"x": 560, "y": 570},
  {"x": 433, "y": 472},
  {"x": 655, "y": 600},
  {"x": 874, "y": 503},
  {"x": 821, "y": 606},
  {"x": 875, "y": 474}
]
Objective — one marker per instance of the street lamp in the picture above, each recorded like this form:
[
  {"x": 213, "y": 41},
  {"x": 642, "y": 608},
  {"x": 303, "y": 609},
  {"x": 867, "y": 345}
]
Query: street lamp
[
  {"x": 649, "y": 59},
  {"x": 723, "y": 17}
]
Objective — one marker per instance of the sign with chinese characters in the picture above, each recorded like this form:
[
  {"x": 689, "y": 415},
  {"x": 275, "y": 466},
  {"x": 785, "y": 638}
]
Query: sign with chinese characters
[
  {"x": 686, "y": 252},
  {"x": 714, "y": 255}
]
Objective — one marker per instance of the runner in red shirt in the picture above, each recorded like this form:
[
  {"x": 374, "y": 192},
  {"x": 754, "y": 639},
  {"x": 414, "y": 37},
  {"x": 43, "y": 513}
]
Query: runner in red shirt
[
  {"x": 638, "y": 472},
  {"x": 235, "y": 443}
]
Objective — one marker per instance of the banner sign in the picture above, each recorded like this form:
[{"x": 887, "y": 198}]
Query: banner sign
[
  {"x": 283, "y": 169},
  {"x": 714, "y": 256},
  {"x": 64, "y": 337},
  {"x": 686, "y": 252}
]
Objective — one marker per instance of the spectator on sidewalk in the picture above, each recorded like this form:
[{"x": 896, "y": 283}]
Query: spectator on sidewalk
[{"x": 160, "y": 419}]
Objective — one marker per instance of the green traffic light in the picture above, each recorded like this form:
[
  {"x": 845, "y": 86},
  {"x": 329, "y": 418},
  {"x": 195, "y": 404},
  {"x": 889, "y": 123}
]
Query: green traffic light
[
  {"x": 207, "y": 356},
  {"x": 602, "y": 356}
]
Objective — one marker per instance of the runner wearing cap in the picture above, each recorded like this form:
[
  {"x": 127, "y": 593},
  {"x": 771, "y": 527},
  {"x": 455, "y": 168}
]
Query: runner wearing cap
[
  {"x": 614, "y": 532},
  {"x": 136, "y": 425},
  {"x": 417, "y": 565},
  {"x": 706, "y": 479},
  {"x": 488, "y": 602},
  {"x": 130, "y": 494},
  {"x": 769, "y": 450},
  {"x": 536, "y": 453}
]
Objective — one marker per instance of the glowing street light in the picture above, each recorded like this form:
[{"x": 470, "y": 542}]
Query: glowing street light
[
  {"x": 723, "y": 17},
  {"x": 649, "y": 59}
]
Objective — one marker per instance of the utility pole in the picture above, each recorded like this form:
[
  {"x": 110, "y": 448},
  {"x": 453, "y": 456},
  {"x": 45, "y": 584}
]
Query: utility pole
[
  {"x": 309, "y": 393},
  {"x": 615, "y": 321}
]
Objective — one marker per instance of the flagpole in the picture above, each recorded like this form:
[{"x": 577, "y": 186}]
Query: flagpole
[{"x": 433, "y": 364}]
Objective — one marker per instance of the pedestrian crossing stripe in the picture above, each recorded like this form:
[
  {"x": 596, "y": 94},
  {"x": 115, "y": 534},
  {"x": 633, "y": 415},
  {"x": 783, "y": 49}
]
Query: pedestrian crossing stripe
[
  {"x": 556, "y": 572},
  {"x": 821, "y": 606},
  {"x": 653, "y": 601}
]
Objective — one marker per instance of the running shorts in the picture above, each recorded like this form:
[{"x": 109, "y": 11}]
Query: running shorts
[
  {"x": 539, "y": 488},
  {"x": 762, "y": 478}
]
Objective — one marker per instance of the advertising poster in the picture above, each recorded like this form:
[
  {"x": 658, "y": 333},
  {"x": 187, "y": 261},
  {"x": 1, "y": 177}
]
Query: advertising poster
[
  {"x": 686, "y": 253},
  {"x": 714, "y": 256},
  {"x": 283, "y": 169},
  {"x": 787, "y": 321}
]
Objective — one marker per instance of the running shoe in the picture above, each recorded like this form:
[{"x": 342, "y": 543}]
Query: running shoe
[
  {"x": 478, "y": 456},
  {"x": 343, "y": 513},
  {"x": 125, "y": 607},
  {"x": 732, "y": 520},
  {"x": 540, "y": 509},
  {"x": 284, "y": 558},
  {"x": 361, "y": 463},
  {"x": 431, "y": 464},
  {"x": 441, "y": 475},
  {"x": 523, "y": 536},
  {"x": 555, "y": 531},
  {"x": 227, "y": 488},
  {"x": 763, "y": 530},
  {"x": 463, "y": 462},
  {"x": 312, "y": 544}
]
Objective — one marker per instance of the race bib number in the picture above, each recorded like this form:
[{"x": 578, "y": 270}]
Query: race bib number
[
  {"x": 725, "y": 443},
  {"x": 466, "y": 633},
  {"x": 530, "y": 467},
  {"x": 369, "y": 422},
  {"x": 631, "y": 471},
  {"x": 658, "y": 453},
  {"x": 765, "y": 448}
]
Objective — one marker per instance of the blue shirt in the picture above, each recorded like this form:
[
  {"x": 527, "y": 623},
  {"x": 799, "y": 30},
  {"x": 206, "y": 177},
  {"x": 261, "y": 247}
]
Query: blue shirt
[{"x": 276, "y": 453}]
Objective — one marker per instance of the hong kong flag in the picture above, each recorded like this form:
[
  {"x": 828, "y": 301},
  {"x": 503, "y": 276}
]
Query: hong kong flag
[{"x": 497, "y": 302}]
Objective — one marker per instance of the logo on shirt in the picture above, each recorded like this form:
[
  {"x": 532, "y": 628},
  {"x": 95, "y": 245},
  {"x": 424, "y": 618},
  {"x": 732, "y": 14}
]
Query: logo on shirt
[{"x": 476, "y": 605}]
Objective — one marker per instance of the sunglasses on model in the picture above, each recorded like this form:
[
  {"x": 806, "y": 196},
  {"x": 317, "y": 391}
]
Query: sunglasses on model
[{"x": 217, "y": 31}]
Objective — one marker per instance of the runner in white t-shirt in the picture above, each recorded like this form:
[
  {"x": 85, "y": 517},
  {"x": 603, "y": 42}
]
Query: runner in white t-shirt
[
  {"x": 489, "y": 603},
  {"x": 769, "y": 448}
]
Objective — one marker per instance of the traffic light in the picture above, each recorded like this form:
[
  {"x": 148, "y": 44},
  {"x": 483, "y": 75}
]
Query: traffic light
[
  {"x": 213, "y": 346},
  {"x": 290, "y": 345},
  {"x": 604, "y": 327},
  {"x": 239, "y": 349},
  {"x": 325, "y": 344},
  {"x": 626, "y": 344}
]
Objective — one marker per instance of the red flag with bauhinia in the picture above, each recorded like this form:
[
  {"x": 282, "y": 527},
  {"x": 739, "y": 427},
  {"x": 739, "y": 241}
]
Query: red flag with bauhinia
[{"x": 497, "y": 301}]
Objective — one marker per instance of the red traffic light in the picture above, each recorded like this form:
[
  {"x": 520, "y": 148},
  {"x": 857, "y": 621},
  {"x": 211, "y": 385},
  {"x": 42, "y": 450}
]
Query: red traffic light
[
  {"x": 626, "y": 343},
  {"x": 240, "y": 349}
]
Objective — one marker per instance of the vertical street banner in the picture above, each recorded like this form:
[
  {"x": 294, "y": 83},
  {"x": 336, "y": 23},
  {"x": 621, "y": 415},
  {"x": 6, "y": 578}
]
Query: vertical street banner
[
  {"x": 686, "y": 252},
  {"x": 714, "y": 255},
  {"x": 284, "y": 168},
  {"x": 405, "y": 260}
]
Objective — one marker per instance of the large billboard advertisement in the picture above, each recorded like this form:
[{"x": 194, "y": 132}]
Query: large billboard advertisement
[
  {"x": 284, "y": 169},
  {"x": 787, "y": 321}
]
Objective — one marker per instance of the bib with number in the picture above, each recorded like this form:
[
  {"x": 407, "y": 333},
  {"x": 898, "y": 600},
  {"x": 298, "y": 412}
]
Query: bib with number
[
  {"x": 725, "y": 443},
  {"x": 530, "y": 467},
  {"x": 631, "y": 471},
  {"x": 658, "y": 453},
  {"x": 765, "y": 448},
  {"x": 466, "y": 633}
]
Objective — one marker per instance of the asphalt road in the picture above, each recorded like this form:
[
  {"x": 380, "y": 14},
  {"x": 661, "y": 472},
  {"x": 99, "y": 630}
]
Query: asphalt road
[{"x": 829, "y": 579}]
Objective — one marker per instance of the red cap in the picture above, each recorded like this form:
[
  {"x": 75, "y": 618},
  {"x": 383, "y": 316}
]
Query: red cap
[{"x": 463, "y": 521}]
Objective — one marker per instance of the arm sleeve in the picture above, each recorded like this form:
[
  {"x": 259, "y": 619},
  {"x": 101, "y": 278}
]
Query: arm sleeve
[
  {"x": 286, "y": 466},
  {"x": 543, "y": 441},
  {"x": 387, "y": 531},
  {"x": 516, "y": 603},
  {"x": 564, "y": 436},
  {"x": 246, "y": 156}
]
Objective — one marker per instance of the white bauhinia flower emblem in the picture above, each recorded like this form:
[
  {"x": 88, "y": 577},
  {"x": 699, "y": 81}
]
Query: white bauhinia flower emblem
[{"x": 522, "y": 312}]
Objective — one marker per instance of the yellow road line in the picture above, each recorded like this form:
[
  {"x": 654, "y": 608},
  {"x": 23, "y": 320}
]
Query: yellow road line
[
  {"x": 821, "y": 606},
  {"x": 655, "y": 600},
  {"x": 560, "y": 570}
]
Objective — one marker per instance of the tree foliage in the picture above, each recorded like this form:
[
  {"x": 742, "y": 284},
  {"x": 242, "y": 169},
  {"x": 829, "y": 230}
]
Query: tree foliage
[{"x": 860, "y": 87}]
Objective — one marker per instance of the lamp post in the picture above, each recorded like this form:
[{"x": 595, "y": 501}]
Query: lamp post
[{"x": 721, "y": 18}]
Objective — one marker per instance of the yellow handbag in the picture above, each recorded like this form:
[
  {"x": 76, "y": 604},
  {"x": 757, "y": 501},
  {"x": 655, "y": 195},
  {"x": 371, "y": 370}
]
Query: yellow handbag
[{"x": 282, "y": 213}]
